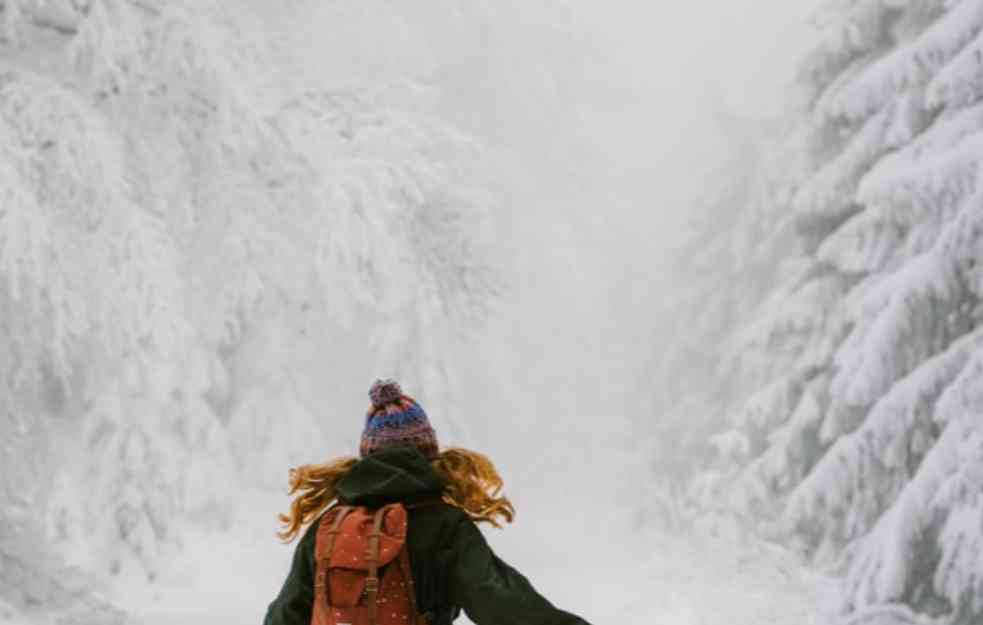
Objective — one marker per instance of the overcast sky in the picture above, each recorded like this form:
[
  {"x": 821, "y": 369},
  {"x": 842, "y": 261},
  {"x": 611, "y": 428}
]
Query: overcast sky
[
  {"x": 743, "y": 51},
  {"x": 748, "y": 47}
]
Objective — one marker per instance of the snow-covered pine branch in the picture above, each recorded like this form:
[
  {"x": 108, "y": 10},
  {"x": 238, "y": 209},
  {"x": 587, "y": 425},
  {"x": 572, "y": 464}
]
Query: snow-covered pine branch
[
  {"x": 862, "y": 473},
  {"x": 911, "y": 62}
]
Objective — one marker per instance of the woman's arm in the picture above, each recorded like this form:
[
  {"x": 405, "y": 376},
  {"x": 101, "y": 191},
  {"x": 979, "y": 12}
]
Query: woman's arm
[
  {"x": 294, "y": 604},
  {"x": 493, "y": 593}
]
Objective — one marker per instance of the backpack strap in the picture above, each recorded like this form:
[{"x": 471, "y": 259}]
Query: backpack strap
[
  {"x": 331, "y": 537},
  {"x": 404, "y": 565},
  {"x": 372, "y": 581}
]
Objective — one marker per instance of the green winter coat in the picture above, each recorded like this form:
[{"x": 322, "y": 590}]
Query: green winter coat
[{"x": 452, "y": 564}]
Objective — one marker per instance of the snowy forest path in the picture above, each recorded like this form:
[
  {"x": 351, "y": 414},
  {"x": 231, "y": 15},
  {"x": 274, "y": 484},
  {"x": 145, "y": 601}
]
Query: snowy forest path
[
  {"x": 230, "y": 577},
  {"x": 705, "y": 579}
]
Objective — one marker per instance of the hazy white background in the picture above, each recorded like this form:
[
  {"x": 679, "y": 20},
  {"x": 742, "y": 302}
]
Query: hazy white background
[{"x": 603, "y": 117}]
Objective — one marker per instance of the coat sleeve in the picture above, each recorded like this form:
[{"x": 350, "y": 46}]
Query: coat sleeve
[
  {"x": 294, "y": 604},
  {"x": 493, "y": 593}
]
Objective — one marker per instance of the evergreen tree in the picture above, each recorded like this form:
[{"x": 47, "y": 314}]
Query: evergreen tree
[
  {"x": 721, "y": 271},
  {"x": 864, "y": 432},
  {"x": 173, "y": 222}
]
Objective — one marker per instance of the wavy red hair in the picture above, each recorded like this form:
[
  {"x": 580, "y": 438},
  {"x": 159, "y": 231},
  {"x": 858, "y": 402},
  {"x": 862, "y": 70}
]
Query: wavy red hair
[{"x": 471, "y": 483}]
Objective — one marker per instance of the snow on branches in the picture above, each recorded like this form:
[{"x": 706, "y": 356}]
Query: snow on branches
[
  {"x": 164, "y": 202},
  {"x": 909, "y": 63},
  {"x": 856, "y": 412}
]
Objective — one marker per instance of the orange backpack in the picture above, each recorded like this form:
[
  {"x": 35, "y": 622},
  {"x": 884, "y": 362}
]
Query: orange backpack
[{"x": 353, "y": 545}]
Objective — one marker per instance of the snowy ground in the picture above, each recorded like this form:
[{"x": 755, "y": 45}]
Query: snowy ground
[{"x": 230, "y": 578}]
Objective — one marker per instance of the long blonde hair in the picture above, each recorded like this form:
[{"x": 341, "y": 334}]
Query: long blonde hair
[{"x": 471, "y": 483}]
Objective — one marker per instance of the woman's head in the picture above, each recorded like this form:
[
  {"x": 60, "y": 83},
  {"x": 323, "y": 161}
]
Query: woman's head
[
  {"x": 470, "y": 480},
  {"x": 395, "y": 419}
]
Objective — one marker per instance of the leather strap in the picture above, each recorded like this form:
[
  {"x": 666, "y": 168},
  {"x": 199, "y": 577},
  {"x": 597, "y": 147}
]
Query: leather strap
[
  {"x": 324, "y": 561},
  {"x": 336, "y": 529},
  {"x": 404, "y": 565},
  {"x": 372, "y": 581}
]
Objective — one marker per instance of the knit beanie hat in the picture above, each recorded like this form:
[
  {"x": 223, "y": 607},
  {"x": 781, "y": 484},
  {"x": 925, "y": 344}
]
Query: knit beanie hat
[{"x": 396, "y": 420}]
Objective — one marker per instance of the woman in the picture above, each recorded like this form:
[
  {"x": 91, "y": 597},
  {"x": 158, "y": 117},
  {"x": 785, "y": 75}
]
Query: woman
[{"x": 445, "y": 493}]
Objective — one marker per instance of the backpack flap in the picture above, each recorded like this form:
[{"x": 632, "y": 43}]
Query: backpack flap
[
  {"x": 348, "y": 564},
  {"x": 351, "y": 548}
]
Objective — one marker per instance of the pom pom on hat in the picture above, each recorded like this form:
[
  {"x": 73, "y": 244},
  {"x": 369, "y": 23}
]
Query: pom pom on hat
[{"x": 384, "y": 392}]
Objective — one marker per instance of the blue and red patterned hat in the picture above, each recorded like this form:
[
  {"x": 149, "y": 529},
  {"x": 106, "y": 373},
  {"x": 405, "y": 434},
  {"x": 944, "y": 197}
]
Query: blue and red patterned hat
[{"x": 396, "y": 420}]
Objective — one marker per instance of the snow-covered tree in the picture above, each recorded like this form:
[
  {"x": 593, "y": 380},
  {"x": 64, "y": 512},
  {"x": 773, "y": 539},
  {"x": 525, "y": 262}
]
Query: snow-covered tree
[
  {"x": 864, "y": 430},
  {"x": 174, "y": 221},
  {"x": 721, "y": 270}
]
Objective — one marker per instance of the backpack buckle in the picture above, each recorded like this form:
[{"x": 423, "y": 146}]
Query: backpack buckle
[{"x": 372, "y": 584}]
